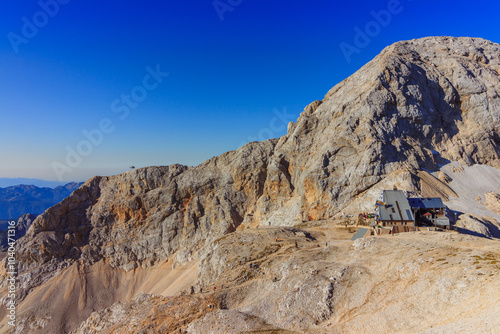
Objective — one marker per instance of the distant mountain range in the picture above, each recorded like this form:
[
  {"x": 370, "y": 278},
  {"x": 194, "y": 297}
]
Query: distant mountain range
[
  {"x": 18, "y": 200},
  {"x": 9, "y": 182}
]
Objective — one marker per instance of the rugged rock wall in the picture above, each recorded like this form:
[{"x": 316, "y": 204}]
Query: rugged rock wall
[{"x": 147, "y": 215}]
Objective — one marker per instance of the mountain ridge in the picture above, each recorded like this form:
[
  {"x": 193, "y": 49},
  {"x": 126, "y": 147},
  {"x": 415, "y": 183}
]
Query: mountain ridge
[
  {"x": 18, "y": 200},
  {"x": 419, "y": 105},
  {"x": 286, "y": 181},
  {"x": 9, "y": 182}
]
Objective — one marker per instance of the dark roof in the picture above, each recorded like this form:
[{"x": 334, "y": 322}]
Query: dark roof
[
  {"x": 426, "y": 203},
  {"x": 393, "y": 198}
]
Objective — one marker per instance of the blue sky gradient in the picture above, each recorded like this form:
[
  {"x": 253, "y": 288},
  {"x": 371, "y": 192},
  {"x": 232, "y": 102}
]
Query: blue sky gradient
[{"x": 229, "y": 81}]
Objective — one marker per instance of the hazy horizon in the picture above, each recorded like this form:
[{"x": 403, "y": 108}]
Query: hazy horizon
[{"x": 80, "y": 174}]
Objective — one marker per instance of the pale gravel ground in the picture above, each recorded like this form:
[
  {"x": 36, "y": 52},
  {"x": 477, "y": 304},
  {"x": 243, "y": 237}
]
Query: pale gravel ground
[
  {"x": 444, "y": 293},
  {"x": 474, "y": 181},
  {"x": 424, "y": 282}
]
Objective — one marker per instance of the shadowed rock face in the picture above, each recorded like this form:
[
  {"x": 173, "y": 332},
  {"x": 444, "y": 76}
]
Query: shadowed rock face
[{"x": 417, "y": 104}]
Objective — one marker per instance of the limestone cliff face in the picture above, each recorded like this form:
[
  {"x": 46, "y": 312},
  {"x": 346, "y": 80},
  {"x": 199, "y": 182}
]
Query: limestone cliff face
[
  {"x": 417, "y": 104},
  {"x": 146, "y": 215}
]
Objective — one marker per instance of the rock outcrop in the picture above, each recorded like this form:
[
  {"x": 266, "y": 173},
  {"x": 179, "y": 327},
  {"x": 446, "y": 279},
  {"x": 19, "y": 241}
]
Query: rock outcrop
[
  {"x": 478, "y": 226},
  {"x": 149, "y": 314},
  {"x": 493, "y": 202},
  {"x": 417, "y": 105}
]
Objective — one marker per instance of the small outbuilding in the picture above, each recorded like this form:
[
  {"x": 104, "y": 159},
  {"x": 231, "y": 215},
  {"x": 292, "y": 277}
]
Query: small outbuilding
[{"x": 429, "y": 210}]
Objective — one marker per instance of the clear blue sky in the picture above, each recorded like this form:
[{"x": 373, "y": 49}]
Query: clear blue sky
[{"x": 228, "y": 78}]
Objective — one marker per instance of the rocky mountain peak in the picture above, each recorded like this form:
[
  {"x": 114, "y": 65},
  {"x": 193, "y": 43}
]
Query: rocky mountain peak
[{"x": 417, "y": 105}]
